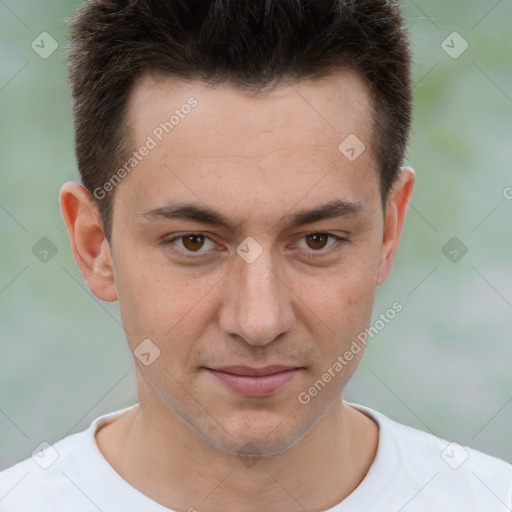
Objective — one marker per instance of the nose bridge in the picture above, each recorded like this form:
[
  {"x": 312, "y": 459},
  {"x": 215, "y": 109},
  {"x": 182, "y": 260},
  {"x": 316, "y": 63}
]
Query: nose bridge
[{"x": 257, "y": 306}]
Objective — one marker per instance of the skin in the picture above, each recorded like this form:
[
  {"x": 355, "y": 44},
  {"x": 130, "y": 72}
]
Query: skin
[{"x": 256, "y": 160}]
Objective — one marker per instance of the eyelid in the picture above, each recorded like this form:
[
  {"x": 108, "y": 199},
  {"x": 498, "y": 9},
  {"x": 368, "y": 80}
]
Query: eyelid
[
  {"x": 169, "y": 242},
  {"x": 338, "y": 240},
  {"x": 335, "y": 247}
]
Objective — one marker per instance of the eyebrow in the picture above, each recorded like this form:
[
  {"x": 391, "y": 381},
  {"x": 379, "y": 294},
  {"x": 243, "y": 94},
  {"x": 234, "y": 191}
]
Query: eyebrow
[{"x": 205, "y": 215}]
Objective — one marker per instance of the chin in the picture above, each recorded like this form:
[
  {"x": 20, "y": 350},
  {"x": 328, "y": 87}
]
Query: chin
[{"x": 253, "y": 438}]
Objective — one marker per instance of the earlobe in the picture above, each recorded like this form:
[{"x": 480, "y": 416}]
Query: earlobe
[
  {"x": 90, "y": 248},
  {"x": 398, "y": 201}
]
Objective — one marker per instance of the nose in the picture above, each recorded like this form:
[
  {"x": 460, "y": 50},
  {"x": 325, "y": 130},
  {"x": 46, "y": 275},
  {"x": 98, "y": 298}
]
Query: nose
[{"x": 257, "y": 303}]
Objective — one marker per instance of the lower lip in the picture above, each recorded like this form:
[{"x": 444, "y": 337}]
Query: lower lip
[{"x": 255, "y": 386}]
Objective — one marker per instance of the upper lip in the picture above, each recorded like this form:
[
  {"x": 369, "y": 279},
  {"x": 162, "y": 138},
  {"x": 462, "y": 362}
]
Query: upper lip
[{"x": 247, "y": 370}]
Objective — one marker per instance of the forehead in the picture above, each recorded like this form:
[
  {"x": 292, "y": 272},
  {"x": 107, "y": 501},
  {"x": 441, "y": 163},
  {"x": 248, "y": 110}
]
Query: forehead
[
  {"x": 213, "y": 140},
  {"x": 328, "y": 110}
]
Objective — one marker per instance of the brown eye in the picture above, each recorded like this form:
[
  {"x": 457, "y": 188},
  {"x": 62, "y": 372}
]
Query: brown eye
[
  {"x": 193, "y": 242},
  {"x": 317, "y": 244},
  {"x": 317, "y": 240},
  {"x": 190, "y": 244}
]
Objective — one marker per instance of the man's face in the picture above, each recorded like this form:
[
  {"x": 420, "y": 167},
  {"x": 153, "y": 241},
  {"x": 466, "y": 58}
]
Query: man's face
[{"x": 257, "y": 162}]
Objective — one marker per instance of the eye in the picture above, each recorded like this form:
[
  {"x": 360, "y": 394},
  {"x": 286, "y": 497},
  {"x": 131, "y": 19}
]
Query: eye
[
  {"x": 189, "y": 243},
  {"x": 317, "y": 242}
]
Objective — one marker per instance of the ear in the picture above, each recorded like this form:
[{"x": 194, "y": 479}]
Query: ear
[
  {"x": 396, "y": 208},
  {"x": 88, "y": 243}
]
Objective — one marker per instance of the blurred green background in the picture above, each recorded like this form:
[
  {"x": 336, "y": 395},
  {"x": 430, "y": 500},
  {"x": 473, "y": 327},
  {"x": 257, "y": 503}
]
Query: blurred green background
[{"x": 442, "y": 365}]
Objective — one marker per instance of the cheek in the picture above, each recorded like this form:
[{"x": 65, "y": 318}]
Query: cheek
[
  {"x": 340, "y": 303},
  {"x": 159, "y": 301},
  {"x": 349, "y": 306}
]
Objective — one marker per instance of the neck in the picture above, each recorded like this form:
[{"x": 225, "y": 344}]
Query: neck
[{"x": 169, "y": 462}]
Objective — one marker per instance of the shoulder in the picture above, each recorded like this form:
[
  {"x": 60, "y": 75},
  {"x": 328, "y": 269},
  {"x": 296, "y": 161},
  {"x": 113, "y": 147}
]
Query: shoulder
[
  {"x": 454, "y": 455},
  {"x": 70, "y": 474},
  {"x": 439, "y": 469},
  {"x": 39, "y": 478},
  {"x": 483, "y": 479}
]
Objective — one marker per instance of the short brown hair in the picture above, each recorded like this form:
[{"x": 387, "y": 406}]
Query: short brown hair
[{"x": 254, "y": 45}]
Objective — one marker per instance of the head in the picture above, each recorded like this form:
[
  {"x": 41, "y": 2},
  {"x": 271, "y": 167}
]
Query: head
[{"x": 267, "y": 130}]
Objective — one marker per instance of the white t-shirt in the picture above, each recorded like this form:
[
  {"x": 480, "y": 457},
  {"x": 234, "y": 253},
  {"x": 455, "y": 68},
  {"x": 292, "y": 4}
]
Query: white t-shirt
[{"x": 413, "y": 471}]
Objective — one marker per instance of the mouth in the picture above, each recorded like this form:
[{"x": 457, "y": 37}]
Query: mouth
[
  {"x": 255, "y": 382},
  {"x": 255, "y": 372}
]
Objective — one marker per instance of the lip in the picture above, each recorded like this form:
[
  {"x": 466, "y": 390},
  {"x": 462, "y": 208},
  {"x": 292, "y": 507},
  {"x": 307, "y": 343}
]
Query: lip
[
  {"x": 255, "y": 382},
  {"x": 258, "y": 372}
]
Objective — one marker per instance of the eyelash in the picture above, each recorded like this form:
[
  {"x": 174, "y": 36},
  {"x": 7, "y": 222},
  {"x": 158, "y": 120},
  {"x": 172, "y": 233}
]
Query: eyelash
[{"x": 168, "y": 242}]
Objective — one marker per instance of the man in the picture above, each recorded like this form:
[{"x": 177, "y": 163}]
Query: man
[{"x": 242, "y": 198}]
